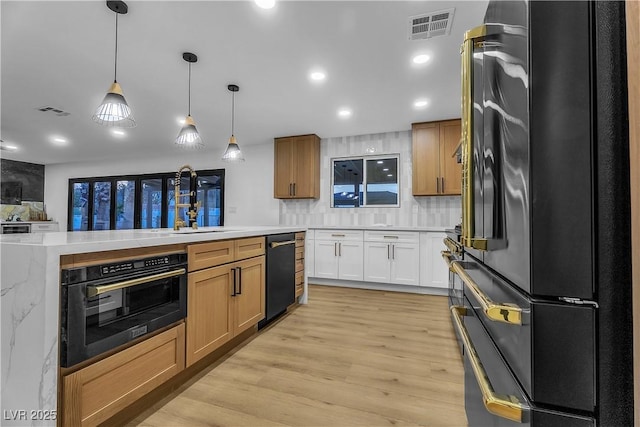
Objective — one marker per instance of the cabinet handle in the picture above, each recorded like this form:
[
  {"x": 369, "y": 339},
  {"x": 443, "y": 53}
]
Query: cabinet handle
[
  {"x": 393, "y": 251},
  {"x": 290, "y": 192},
  {"x": 294, "y": 188},
  {"x": 335, "y": 249},
  {"x": 233, "y": 270},
  {"x": 339, "y": 249},
  {"x": 388, "y": 251},
  {"x": 442, "y": 186},
  {"x": 239, "y": 280},
  {"x": 437, "y": 185},
  {"x": 391, "y": 237},
  {"x": 337, "y": 235}
]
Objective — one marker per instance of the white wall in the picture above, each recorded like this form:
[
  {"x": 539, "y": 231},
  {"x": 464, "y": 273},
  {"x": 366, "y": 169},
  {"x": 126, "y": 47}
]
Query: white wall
[
  {"x": 248, "y": 185},
  {"x": 433, "y": 211}
]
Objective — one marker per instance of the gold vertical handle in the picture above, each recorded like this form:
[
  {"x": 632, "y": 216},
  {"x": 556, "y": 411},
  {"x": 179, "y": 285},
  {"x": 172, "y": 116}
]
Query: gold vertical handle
[
  {"x": 504, "y": 406},
  {"x": 468, "y": 210}
]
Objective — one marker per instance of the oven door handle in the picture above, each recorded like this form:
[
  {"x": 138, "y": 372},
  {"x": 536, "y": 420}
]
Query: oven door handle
[
  {"x": 92, "y": 291},
  {"x": 505, "y": 406},
  {"x": 497, "y": 312}
]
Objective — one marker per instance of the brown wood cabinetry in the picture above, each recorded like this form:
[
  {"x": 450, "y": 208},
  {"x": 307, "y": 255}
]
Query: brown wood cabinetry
[
  {"x": 435, "y": 167},
  {"x": 226, "y": 294},
  {"x": 93, "y": 394},
  {"x": 300, "y": 242},
  {"x": 297, "y": 167}
]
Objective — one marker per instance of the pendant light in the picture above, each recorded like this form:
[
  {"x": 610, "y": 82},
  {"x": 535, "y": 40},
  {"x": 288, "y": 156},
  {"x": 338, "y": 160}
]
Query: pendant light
[
  {"x": 233, "y": 153},
  {"x": 114, "y": 110},
  {"x": 189, "y": 136}
]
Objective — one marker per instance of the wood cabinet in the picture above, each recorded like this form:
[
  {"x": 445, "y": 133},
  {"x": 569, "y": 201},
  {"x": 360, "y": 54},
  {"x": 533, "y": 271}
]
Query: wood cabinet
[
  {"x": 392, "y": 257},
  {"x": 95, "y": 393},
  {"x": 297, "y": 167},
  {"x": 339, "y": 254},
  {"x": 300, "y": 262},
  {"x": 435, "y": 167},
  {"x": 226, "y": 293}
]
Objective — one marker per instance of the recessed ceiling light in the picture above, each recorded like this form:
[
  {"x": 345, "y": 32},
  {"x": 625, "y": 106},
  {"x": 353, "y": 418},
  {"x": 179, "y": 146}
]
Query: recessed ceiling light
[
  {"x": 390, "y": 174},
  {"x": 380, "y": 162},
  {"x": 420, "y": 59},
  {"x": 265, "y": 4},
  {"x": 344, "y": 113},
  {"x": 317, "y": 76},
  {"x": 420, "y": 103},
  {"x": 60, "y": 141},
  {"x": 118, "y": 132},
  {"x": 385, "y": 170}
]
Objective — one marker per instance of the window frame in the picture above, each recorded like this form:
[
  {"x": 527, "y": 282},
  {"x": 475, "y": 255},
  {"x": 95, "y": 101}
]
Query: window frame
[
  {"x": 364, "y": 159},
  {"x": 138, "y": 178}
]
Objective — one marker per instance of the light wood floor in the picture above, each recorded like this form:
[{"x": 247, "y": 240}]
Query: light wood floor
[{"x": 350, "y": 357}]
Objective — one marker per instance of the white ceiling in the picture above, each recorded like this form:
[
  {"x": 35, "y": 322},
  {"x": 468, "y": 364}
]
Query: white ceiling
[{"x": 60, "y": 54}]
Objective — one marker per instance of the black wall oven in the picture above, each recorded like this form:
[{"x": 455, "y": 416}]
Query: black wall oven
[{"x": 105, "y": 306}]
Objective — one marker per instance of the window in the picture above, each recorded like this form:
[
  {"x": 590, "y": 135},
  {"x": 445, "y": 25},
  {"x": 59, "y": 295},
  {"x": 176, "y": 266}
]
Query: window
[
  {"x": 141, "y": 201},
  {"x": 365, "y": 181}
]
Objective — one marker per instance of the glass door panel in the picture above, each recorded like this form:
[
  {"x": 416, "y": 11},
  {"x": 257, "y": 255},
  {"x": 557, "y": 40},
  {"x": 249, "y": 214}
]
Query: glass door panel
[
  {"x": 125, "y": 204},
  {"x": 101, "y": 205},
  {"x": 80, "y": 206},
  {"x": 151, "y": 203},
  {"x": 209, "y": 196}
]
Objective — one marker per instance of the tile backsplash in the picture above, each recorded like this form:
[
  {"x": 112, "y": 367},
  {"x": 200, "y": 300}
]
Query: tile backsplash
[{"x": 413, "y": 211}]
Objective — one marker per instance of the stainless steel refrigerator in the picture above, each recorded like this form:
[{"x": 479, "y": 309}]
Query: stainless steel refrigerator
[{"x": 546, "y": 318}]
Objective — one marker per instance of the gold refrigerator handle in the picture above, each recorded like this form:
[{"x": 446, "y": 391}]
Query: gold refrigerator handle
[
  {"x": 468, "y": 215},
  {"x": 446, "y": 255},
  {"x": 505, "y": 406},
  {"x": 498, "y": 312},
  {"x": 92, "y": 291}
]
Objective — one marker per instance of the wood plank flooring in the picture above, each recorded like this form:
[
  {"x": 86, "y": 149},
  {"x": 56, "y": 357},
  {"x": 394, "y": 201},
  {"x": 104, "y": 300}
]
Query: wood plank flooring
[{"x": 350, "y": 357}]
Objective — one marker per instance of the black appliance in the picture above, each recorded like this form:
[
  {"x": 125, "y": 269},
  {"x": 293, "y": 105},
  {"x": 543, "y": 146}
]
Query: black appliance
[
  {"x": 546, "y": 316},
  {"x": 108, "y": 305},
  {"x": 15, "y": 227},
  {"x": 281, "y": 275}
]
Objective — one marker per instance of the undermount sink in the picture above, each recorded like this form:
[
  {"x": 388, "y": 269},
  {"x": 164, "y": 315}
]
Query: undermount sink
[{"x": 188, "y": 230}]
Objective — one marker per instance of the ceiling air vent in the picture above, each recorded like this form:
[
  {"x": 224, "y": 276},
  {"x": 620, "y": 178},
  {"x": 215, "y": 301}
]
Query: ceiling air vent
[
  {"x": 430, "y": 25},
  {"x": 57, "y": 111}
]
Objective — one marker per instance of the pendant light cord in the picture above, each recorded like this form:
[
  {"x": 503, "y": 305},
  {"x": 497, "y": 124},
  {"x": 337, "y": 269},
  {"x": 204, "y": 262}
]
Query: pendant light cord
[
  {"x": 189, "y": 88},
  {"x": 233, "y": 110},
  {"x": 115, "y": 67}
]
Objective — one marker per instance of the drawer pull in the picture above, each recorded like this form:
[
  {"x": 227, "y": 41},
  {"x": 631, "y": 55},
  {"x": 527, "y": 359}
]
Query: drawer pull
[
  {"x": 391, "y": 237},
  {"x": 337, "y": 235},
  {"x": 505, "y": 406},
  {"x": 498, "y": 312}
]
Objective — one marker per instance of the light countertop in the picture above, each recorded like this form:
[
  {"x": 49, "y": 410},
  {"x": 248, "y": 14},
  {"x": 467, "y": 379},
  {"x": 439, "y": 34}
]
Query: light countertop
[{"x": 378, "y": 227}]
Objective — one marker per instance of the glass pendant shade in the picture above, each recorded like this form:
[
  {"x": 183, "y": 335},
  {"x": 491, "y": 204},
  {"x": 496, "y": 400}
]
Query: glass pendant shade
[
  {"x": 189, "y": 136},
  {"x": 114, "y": 110},
  {"x": 233, "y": 153}
]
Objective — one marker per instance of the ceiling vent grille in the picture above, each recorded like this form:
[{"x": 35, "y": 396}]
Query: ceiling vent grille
[
  {"x": 430, "y": 25},
  {"x": 57, "y": 111}
]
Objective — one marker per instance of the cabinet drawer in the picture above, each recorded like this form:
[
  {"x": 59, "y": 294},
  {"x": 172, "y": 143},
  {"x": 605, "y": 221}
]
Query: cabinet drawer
[
  {"x": 392, "y": 236},
  {"x": 300, "y": 239},
  {"x": 97, "y": 392},
  {"x": 249, "y": 248},
  {"x": 205, "y": 255},
  {"x": 43, "y": 228},
  {"x": 341, "y": 235},
  {"x": 299, "y": 278},
  {"x": 300, "y": 253},
  {"x": 300, "y": 264}
]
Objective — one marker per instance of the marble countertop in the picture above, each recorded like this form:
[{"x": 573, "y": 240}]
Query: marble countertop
[
  {"x": 104, "y": 240},
  {"x": 377, "y": 227}
]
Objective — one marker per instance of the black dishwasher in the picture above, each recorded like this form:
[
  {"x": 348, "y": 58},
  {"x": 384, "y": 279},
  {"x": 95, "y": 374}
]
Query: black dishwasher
[{"x": 281, "y": 275}]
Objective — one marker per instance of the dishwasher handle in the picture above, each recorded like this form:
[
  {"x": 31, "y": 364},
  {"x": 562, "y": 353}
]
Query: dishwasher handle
[{"x": 285, "y": 243}]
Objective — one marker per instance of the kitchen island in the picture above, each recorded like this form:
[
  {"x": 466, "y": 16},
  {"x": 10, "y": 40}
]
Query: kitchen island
[{"x": 30, "y": 305}]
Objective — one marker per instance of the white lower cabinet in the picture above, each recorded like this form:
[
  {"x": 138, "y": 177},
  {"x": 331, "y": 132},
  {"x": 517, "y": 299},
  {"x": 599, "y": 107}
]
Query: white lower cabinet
[
  {"x": 434, "y": 272},
  {"x": 392, "y": 257},
  {"x": 338, "y": 254}
]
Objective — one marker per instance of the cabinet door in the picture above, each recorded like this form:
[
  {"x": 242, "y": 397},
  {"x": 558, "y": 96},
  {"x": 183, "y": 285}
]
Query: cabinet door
[
  {"x": 377, "y": 257},
  {"x": 405, "y": 264},
  {"x": 351, "y": 260},
  {"x": 209, "y": 320},
  {"x": 434, "y": 270},
  {"x": 450, "y": 169},
  {"x": 249, "y": 301},
  {"x": 283, "y": 168},
  {"x": 306, "y": 163},
  {"x": 326, "y": 259},
  {"x": 425, "y": 159}
]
